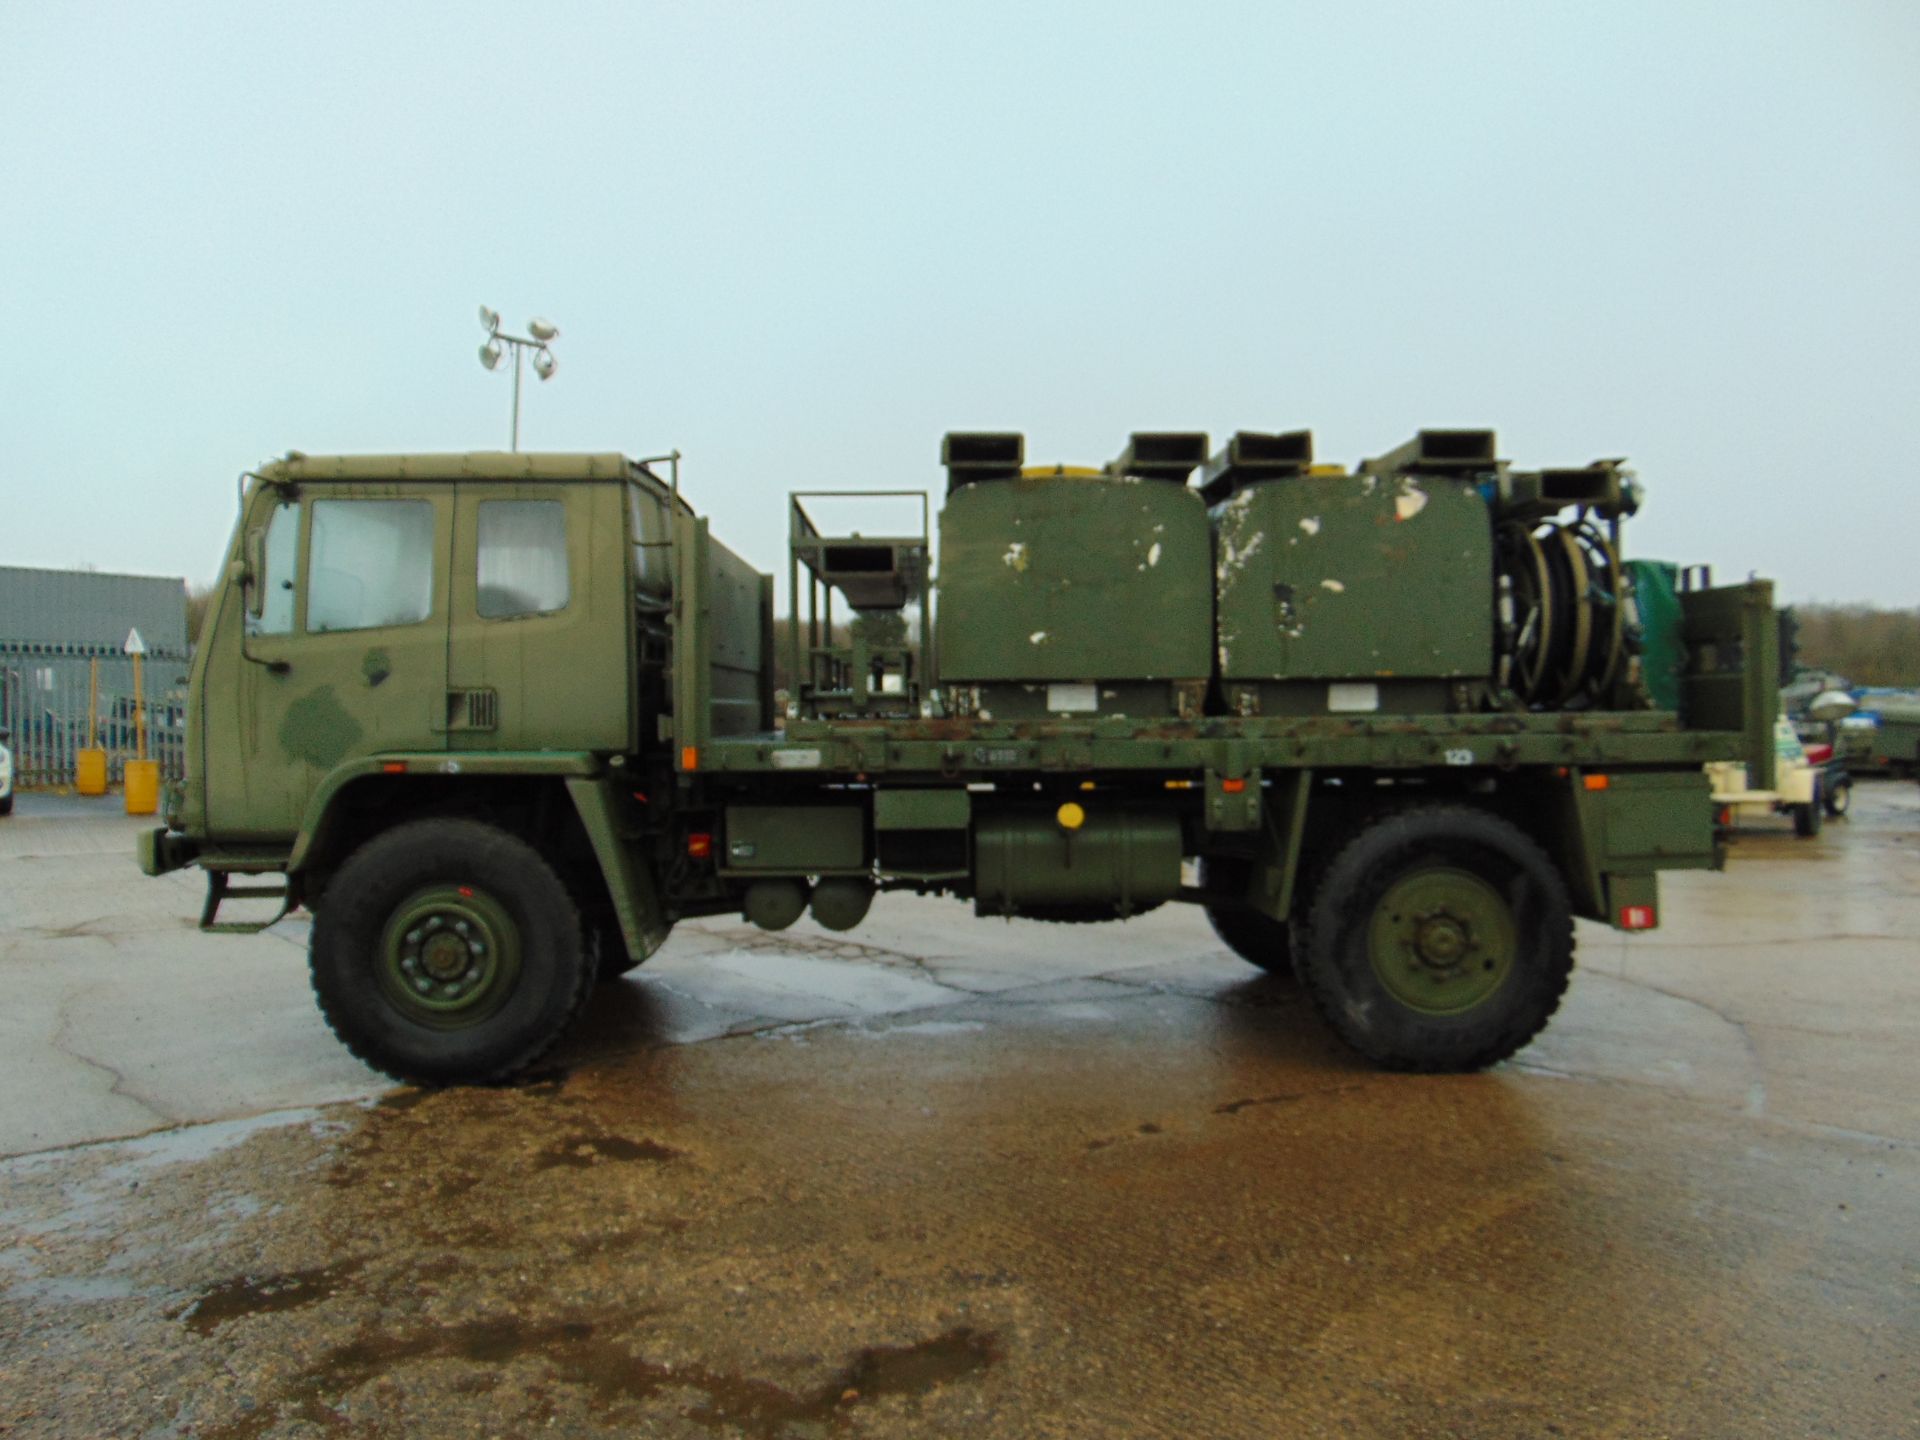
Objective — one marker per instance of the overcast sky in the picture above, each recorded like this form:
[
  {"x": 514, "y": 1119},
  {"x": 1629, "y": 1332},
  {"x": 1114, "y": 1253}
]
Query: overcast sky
[{"x": 802, "y": 242}]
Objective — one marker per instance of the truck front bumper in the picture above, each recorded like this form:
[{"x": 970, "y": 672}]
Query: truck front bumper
[{"x": 161, "y": 850}]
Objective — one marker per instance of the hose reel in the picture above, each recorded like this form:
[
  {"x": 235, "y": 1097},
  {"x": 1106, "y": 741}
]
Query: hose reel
[{"x": 1562, "y": 613}]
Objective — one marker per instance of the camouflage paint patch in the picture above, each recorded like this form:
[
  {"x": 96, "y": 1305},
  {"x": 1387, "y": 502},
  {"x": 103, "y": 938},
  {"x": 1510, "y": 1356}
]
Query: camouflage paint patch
[{"x": 319, "y": 729}]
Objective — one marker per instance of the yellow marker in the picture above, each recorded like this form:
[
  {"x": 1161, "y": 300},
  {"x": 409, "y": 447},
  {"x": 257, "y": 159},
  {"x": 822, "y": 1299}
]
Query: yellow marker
[{"x": 1070, "y": 816}]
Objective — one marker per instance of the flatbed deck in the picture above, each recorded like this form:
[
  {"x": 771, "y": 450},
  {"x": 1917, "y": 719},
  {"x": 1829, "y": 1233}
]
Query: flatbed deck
[{"x": 953, "y": 748}]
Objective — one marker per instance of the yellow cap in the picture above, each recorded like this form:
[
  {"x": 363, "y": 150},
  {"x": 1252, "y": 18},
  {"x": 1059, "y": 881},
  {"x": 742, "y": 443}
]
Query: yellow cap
[{"x": 1070, "y": 816}]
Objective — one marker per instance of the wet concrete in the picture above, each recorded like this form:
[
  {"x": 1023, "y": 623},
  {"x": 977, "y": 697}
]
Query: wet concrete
[{"x": 1013, "y": 1180}]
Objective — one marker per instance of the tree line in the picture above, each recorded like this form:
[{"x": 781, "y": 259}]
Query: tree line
[{"x": 1869, "y": 646}]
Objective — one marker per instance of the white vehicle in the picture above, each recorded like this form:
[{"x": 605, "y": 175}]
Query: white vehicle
[
  {"x": 1799, "y": 780},
  {"x": 6, "y": 774}
]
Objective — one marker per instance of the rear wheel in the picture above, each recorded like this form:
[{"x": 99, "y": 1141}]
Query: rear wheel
[
  {"x": 1807, "y": 817},
  {"x": 1838, "y": 797},
  {"x": 611, "y": 957},
  {"x": 1439, "y": 939},
  {"x": 448, "y": 952},
  {"x": 1256, "y": 938}
]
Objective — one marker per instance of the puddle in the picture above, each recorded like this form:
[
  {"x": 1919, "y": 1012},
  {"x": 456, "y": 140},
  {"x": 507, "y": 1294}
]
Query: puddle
[
  {"x": 186, "y": 1143},
  {"x": 401, "y": 1101},
  {"x": 593, "y": 1355},
  {"x": 935, "y": 1027},
  {"x": 248, "y": 1295},
  {"x": 917, "y": 1369},
  {"x": 577, "y": 1152}
]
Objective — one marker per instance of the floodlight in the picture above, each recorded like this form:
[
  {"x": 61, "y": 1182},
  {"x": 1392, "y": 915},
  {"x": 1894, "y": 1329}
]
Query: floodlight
[
  {"x": 490, "y": 354},
  {"x": 543, "y": 330},
  {"x": 490, "y": 319},
  {"x": 544, "y": 364}
]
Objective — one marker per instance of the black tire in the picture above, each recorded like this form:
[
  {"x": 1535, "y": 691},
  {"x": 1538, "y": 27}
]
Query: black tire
[
  {"x": 6, "y": 805},
  {"x": 1807, "y": 818},
  {"x": 1838, "y": 798},
  {"x": 1256, "y": 938},
  {"x": 1501, "y": 903},
  {"x": 499, "y": 1015},
  {"x": 611, "y": 958}
]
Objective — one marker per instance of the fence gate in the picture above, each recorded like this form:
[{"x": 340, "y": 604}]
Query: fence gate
[{"x": 45, "y": 702}]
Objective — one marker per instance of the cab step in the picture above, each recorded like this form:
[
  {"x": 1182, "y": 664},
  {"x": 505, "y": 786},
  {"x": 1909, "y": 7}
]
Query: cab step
[{"x": 220, "y": 888}]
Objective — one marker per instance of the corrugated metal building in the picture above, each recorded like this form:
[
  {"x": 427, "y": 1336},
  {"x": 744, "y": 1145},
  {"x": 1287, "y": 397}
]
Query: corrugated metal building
[{"x": 55, "y": 625}]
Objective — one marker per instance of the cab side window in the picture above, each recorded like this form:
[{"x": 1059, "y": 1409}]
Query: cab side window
[
  {"x": 650, "y": 547},
  {"x": 522, "y": 558},
  {"x": 282, "y": 558},
  {"x": 371, "y": 564}
]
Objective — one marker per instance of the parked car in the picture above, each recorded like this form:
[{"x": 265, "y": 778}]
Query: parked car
[{"x": 6, "y": 773}]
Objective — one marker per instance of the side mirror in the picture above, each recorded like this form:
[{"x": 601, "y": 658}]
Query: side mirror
[{"x": 249, "y": 570}]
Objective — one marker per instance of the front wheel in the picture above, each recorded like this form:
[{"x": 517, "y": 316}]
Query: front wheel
[
  {"x": 1440, "y": 939},
  {"x": 449, "y": 952},
  {"x": 1839, "y": 798}
]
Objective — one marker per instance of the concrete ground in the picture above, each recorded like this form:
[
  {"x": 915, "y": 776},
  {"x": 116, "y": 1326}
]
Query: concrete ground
[{"x": 955, "y": 1176}]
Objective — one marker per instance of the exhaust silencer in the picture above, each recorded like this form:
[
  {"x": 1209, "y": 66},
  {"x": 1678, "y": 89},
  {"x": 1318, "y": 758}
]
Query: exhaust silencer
[
  {"x": 1439, "y": 452},
  {"x": 1162, "y": 455},
  {"x": 1250, "y": 457},
  {"x": 971, "y": 455}
]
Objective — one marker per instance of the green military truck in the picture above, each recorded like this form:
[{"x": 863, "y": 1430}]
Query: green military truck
[
  {"x": 500, "y": 721},
  {"x": 1887, "y": 739}
]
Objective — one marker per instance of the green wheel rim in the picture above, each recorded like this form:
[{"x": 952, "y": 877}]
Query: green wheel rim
[
  {"x": 449, "y": 957},
  {"x": 1441, "y": 940}
]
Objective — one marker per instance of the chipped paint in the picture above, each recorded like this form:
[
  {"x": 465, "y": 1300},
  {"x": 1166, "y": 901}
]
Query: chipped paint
[
  {"x": 1410, "y": 501},
  {"x": 1036, "y": 637},
  {"x": 1232, "y": 557},
  {"x": 1016, "y": 555},
  {"x": 1334, "y": 585},
  {"x": 1153, "y": 555},
  {"x": 1310, "y": 524}
]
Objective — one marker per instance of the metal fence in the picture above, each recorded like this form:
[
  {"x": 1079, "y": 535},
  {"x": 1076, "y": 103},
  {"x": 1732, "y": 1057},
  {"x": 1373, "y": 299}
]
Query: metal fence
[{"x": 45, "y": 707}]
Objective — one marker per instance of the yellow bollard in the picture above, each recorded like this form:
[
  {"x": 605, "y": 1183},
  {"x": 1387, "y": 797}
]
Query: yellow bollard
[
  {"x": 90, "y": 771},
  {"x": 143, "y": 787}
]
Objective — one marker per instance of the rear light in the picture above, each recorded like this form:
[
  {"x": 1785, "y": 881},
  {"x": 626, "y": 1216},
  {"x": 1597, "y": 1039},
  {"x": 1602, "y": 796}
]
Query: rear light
[
  {"x": 1599, "y": 782},
  {"x": 689, "y": 757},
  {"x": 1233, "y": 787},
  {"x": 699, "y": 845},
  {"x": 394, "y": 767},
  {"x": 1637, "y": 917}
]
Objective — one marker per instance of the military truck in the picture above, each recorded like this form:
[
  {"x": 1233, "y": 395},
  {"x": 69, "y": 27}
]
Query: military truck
[
  {"x": 501, "y": 720},
  {"x": 1886, "y": 741}
]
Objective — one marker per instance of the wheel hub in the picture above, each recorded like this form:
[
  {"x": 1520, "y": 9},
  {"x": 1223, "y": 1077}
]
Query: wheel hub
[
  {"x": 450, "y": 955},
  {"x": 1441, "y": 940}
]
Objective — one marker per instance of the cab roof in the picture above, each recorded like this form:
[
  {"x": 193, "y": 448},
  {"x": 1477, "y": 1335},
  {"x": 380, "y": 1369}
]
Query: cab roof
[{"x": 471, "y": 465}]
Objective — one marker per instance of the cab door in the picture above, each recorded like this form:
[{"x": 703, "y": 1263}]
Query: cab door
[
  {"x": 348, "y": 657},
  {"x": 539, "y": 654}
]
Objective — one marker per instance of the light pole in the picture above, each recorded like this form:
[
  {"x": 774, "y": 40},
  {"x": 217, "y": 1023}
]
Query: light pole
[{"x": 540, "y": 333}]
